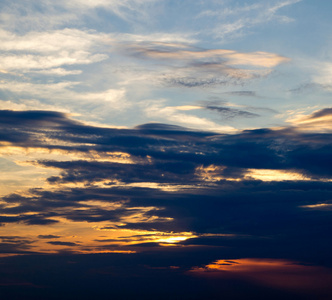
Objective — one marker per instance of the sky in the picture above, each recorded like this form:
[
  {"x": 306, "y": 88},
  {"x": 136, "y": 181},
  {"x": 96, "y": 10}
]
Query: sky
[{"x": 165, "y": 149}]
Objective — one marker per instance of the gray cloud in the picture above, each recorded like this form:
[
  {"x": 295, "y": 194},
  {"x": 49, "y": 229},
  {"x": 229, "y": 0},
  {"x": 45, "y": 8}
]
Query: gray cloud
[
  {"x": 58, "y": 243},
  {"x": 242, "y": 93},
  {"x": 49, "y": 236},
  {"x": 321, "y": 113},
  {"x": 228, "y": 112}
]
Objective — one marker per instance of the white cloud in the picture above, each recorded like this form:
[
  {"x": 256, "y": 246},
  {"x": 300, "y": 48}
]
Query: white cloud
[
  {"x": 38, "y": 62},
  {"x": 50, "y": 41},
  {"x": 61, "y": 96},
  {"x": 48, "y": 14},
  {"x": 324, "y": 76},
  {"x": 44, "y": 40},
  {"x": 30, "y": 104},
  {"x": 57, "y": 72},
  {"x": 236, "y": 21},
  {"x": 317, "y": 121},
  {"x": 49, "y": 50}
]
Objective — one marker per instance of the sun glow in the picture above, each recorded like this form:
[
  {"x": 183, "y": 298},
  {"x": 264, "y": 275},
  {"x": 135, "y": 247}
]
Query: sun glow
[
  {"x": 275, "y": 175},
  {"x": 277, "y": 273}
]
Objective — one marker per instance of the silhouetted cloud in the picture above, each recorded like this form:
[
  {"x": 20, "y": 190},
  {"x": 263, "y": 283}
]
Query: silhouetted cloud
[
  {"x": 58, "y": 243},
  {"x": 182, "y": 186},
  {"x": 49, "y": 236}
]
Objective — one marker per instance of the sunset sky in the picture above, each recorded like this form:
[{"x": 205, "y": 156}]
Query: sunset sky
[{"x": 163, "y": 149}]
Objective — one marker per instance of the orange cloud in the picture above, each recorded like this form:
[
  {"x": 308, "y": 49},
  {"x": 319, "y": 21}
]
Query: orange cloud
[{"x": 276, "y": 273}]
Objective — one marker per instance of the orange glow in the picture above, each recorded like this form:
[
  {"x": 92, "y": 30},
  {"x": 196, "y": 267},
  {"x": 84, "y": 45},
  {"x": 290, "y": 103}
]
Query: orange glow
[
  {"x": 213, "y": 173},
  {"x": 83, "y": 237},
  {"x": 276, "y": 273},
  {"x": 243, "y": 265},
  {"x": 275, "y": 175},
  {"x": 311, "y": 123},
  {"x": 319, "y": 206},
  {"x": 107, "y": 251},
  {"x": 210, "y": 173}
]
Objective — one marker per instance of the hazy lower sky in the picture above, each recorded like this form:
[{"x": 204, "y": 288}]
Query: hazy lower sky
[{"x": 162, "y": 149}]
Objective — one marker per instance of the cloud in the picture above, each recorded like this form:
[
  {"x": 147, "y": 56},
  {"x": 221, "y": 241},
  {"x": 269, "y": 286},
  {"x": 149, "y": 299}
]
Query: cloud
[
  {"x": 49, "y": 236},
  {"x": 326, "y": 112},
  {"x": 50, "y": 62},
  {"x": 208, "y": 57},
  {"x": 58, "y": 243},
  {"x": 231, "y": 112},
  {"x": 273, "y": 273},
  {"x": 318, "y": 121},
  {"x": 48, "y": 14},
  {"x": 242, "y": 93},
  {"x": 318, "y": 206},
  {"x": 55, "y": 96},
  {"x": 47, "y": 51},
  {"x": 188, "y": 66},
  {"x": 271, "y": 148},
  {"x": 89, "y": 275},
  {"x": 311, "y": 87},
  {"x": 323, "y": 78},
  {"x": 156, "y": 109},
  {"x": 15, "y": 245},
  {"x": 127, "y": 9},
  {"x": 235, "y": 21},
  {"x": 177, "y": 186}
]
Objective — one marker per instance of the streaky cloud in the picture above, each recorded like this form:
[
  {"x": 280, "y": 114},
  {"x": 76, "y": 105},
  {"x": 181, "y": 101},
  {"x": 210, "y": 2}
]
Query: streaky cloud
[{"x": 231, "y": 112}]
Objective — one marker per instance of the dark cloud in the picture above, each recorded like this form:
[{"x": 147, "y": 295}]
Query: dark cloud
[
  {"x": 15, "y": 245},
  {"x": 38, "y": 220},
  {"x": 58, "y": 243},
  {"x": 99, "y": 276},
  {"x": 168, "y": 145},
  {"x": 191, "y": 82},
  {"x": 90, "y": 172},
  {"x": 228, "y": 112},
  {"x": 49, "y": 236},
  {"x": 321, "y": 113},
  {"x": 260, "y": 219},
  {"x": 273, "y": 149}
]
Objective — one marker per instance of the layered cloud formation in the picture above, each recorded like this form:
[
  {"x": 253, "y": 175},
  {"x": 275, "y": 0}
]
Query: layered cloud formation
[
  {"x": 159, "y": 183},
  {"x": 165, "y": 149},
  {"x": 159, "y": 189}
]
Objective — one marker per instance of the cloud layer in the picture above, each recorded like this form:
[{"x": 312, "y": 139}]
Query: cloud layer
[{"x": 175, "y": 184}]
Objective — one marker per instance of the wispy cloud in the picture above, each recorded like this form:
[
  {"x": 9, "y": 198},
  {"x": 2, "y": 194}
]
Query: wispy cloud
[
  {"x": 212, "y": 56},
  {"x": 231, "y": 112},
  {"x": 194, "y": 67},
  {"x": 157, "y": 109},
  {"x": 237, "y": 21},
  {"x": 38, "y": 15},
  {"x": 47, "y": 51},
  {"x": 318, "y": 121}
]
